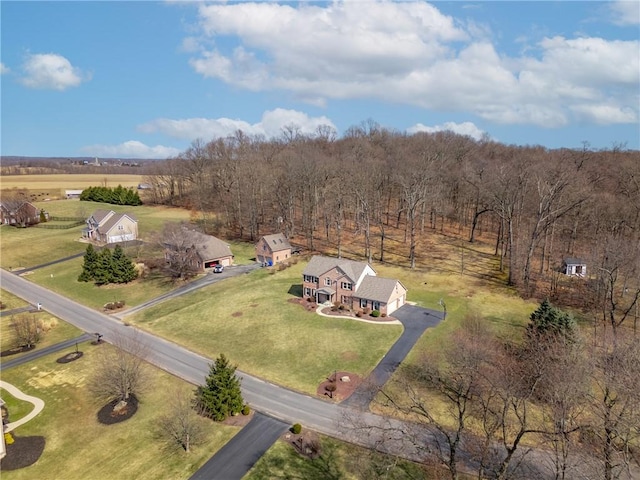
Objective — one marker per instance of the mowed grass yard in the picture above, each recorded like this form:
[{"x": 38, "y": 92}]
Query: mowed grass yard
[
  {"x": 27, "y": 247},
  {"x": 250, "y": 319},
  {"x": 55, "y": 330},
  {"x": 79, "y": 447}
]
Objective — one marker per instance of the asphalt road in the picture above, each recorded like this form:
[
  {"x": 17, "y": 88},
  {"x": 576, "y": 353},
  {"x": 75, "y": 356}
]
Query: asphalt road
[{"x": 236, "y": 458}]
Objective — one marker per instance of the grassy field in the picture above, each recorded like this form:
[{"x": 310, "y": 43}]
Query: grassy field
[
  {"x": 10, "y": 301},
  {"x": 40, "y": 187},
  {"x": 79, "y": 447},
  {"x": 26, "y": 247},
  {"x": 55, "y": 331},
  {"x": 250, "y": 320},
  {"x": 337, "y": 460}
]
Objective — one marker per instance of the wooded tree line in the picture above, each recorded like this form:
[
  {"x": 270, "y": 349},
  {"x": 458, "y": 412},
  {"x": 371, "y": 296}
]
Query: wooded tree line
[{"x": 536, "y": 205}]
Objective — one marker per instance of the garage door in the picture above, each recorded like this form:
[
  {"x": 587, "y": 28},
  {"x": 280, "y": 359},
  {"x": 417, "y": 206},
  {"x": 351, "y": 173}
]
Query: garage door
[{"x": 122, "y": 238}]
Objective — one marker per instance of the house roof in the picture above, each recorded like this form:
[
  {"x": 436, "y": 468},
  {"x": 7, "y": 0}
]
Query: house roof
[
  {"x": 277, "y": 241},
  {"x": 13, "y": 205},
  {"x": 574, "y": 261},
  {"x": 376, "y": 288},
  {"x": 209, "y": 247},
  {"x": 113, "y": 221},
  {"x": 100, "y": 215},
  {"x": 319, "y": 265}
]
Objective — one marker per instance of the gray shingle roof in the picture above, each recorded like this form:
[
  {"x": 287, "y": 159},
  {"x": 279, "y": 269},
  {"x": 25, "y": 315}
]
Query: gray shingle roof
[
  {"x": 100, "y": 215},
  {"x": 319, "y": 265},
  {"x": 277, "y": 242},
  {"x": 574, "y": 261},
  {"x": 376, "y": 288},
  {"x": 113, "y": 220},
  {"x": 210, "y": 247}
]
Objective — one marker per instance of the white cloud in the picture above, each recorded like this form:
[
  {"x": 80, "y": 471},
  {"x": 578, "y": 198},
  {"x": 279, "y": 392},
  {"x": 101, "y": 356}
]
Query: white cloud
[
  {"x": 131, "y": 149},
  {"x": 625, "y": 12},
  {"x": 411, "y": 53},
  {"x": 271, "y": 125},
  {"x": 51, "y": 71},
  {"x": 465, "y": 128},
  {"x": 605, "y": 114},
  {"x": 4, "y": 69}
]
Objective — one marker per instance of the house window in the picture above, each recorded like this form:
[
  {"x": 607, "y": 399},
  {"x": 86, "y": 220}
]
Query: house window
[
  {"x": 345, "y": 299},
  {"x": 345, "y": 286},
  {"x": 307, "y": 292},
  {"x": 363, "y": 303},
  {"x": 375, "y": 305},
  {"x": 310, "y": 279},
  {"x": 120, "y": 227},
  {"x": 327, "y": 282}
]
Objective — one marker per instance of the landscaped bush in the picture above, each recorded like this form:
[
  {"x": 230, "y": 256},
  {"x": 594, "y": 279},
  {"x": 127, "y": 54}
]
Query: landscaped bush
[
  {"x": 383, "y": 315},
  {"x": 367, "y": 310},
  {"x": 246, "y": 410},
  {"x": 359, "y": 313},
  {"x": 114, "y": 305},
  {"x": 375, "y": 313},
  {"x": 296, "y": 429},
  {"x": 341, "y": 307}
]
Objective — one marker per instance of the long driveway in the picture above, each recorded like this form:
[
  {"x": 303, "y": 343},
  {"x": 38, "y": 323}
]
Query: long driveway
[{"x": 415, "y": 321}]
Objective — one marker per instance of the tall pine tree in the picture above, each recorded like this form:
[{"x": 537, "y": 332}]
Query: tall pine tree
[
  {"x": 90, "y": 265},
  {"x": 104, "y": 270},
  {"x": 220, "y": 396},
  {"x": 123, "y": 270},
  {"x": 547, "y": 319}
]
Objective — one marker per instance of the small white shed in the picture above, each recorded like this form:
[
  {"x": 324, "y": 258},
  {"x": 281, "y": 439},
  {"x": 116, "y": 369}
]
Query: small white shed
[{"x": 574, "y": 267}]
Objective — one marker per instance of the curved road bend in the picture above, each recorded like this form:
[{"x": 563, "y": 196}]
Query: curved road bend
[{"x": 275, "y": 401}]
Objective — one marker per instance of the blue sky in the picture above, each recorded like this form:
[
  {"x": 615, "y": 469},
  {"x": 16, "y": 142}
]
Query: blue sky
[{"x": 144, "y": 79}]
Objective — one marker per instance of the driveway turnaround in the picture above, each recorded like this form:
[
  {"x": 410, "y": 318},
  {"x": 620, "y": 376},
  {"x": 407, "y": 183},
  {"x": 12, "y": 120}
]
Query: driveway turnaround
[
  {"x": 235, "y": 459},
  {"x": 38, "y": 405},
  {"x": 415, "y": 321}
]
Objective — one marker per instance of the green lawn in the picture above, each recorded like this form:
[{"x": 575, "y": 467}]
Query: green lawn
[
  {"x": 18, "y": 408},
  {"x": 250, "y": 320},
  {"x": 337, "y": 460},
  {"x": 78, "y": 447},
  {"x": 56, "y": 331},
  {"x": 63, "y": 278},
  {"x": 10, "y": 301}
]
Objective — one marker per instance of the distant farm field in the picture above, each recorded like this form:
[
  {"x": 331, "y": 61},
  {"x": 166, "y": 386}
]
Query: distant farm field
[{"x": 40, "y": 187}]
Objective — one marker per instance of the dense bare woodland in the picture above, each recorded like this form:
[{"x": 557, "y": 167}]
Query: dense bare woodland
[{"x": 377, "y": 194}]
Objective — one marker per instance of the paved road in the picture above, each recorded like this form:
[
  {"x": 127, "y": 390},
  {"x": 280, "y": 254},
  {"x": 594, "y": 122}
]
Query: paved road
[
  {"x": 415, "y": 321},
  {"x": 45, "y": 351},
  {"x": 235, "y": 459},
  {"x": 340, "y": 421}
]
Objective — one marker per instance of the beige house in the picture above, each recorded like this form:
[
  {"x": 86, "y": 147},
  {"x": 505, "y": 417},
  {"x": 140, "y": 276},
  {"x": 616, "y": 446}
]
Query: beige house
[
  {"x": 272, "y": 249},
  {"x": 107, "y": 226},
  {"x": 351, "y": 283},
  {"x": 200, "y": 251}
]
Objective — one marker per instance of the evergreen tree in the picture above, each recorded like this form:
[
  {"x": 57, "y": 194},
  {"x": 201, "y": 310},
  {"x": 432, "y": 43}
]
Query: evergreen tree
[
  {"x": 104, "y": 270},
  {"x": 221, "y": 395},
  {"x": 123, "y": 269},
  {"x": 547, "y": 319},
  {"x": 90, "y": 265}
]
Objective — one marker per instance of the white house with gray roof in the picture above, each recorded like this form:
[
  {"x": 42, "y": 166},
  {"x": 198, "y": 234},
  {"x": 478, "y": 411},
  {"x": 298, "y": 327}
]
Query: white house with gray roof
[
  {"x": 107, "y": 226},
  {"x": 351, "y": 283}
]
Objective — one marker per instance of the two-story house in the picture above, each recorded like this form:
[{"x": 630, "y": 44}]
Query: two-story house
[
  {"x": 351, "y": 283},
  {"x": 272, "y": 249},
  {"x": 19, "y": 213},
  {"x": 107, "y": 226}
]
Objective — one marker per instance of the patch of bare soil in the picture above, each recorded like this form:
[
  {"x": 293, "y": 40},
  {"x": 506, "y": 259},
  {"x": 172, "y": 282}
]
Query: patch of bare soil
[
  {"x": 108, "y": 416},
  {"x": 306, "y": 443},
  {"x": 24, "y": 451},
  {"x": 308, "y": 306},
  {"x": 15, "y": 350},
  {"x": 236, "y": 314},
  {"x": 70, "y": 357},
  {"x": 238, "y": 420},
  {"x": 339, "y": 386}
]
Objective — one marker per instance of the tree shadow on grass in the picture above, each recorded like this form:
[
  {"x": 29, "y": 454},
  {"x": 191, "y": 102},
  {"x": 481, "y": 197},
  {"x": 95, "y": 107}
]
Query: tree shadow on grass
[
  {"x": 295, "y": 290},
  {"x": 293, "y": 466}
]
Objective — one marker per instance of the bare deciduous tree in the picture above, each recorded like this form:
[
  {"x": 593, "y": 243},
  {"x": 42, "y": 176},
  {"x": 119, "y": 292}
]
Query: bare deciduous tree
[
  {"x": 28, "y": 330},
  {"x": 120, "y": 370},
  {"x": 182, "y": 424}
]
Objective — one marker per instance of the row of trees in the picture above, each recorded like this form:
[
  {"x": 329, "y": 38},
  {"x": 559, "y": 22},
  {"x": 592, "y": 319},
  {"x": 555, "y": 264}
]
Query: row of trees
[
  {"x": 103, "y": 266},
  {"x": 580, "y": 399},
  {"x": 379, "y": 189},
  {"x": 117, "y": 196}
]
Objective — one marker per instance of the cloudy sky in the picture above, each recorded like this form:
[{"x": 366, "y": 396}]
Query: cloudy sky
[{"x": 144, "y": 79}]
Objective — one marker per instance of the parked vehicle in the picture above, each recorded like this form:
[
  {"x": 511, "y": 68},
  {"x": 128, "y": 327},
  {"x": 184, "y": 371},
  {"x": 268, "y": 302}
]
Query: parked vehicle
[{"x": 218, "y": 268}]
